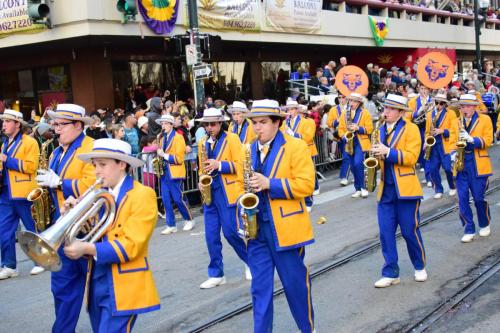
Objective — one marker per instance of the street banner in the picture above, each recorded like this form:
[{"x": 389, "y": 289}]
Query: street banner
[
  {"x": 293, "y": 15},
  {"x": 14, "y": 19},
  {"x": 160, "y": 15},
  {"x": 241, "y": 15}
]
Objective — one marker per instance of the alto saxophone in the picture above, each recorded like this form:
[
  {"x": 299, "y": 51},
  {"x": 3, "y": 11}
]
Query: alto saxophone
[
  {"x": 460, "y": 149},
  {"x": 205, "y": 178},
  {"x": 372, "y": 164},
  {"x": 349, "y": 136},
  {"x": 43, "y": 207},
  {"x": 430, "y": 140},
  {"x": 158, "y": 161},
  {"x": 249, "y": 201}
]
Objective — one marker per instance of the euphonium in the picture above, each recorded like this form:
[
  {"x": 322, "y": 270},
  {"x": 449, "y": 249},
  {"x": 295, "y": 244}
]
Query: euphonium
[
  {"x": 460, "y": 148},
  {"x": 42, "y": 207},
  {"x": 430, "y": 140},
  {"x": 372, "y": 163},
  {"x": 349, "y": 136},
  {"x": 86, "y": 217},
  {"x": 423, "y": 111},
  {"x": 205, "y": 179},
  {"x": 249, "y": 201},
  {"x": 157, "y": 161}
]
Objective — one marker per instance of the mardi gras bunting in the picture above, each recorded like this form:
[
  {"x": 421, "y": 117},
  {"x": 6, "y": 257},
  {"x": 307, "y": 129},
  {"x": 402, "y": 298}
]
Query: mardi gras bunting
[
  {"x": 159, "y": 15},
  {"x": 379, "y": 29}
]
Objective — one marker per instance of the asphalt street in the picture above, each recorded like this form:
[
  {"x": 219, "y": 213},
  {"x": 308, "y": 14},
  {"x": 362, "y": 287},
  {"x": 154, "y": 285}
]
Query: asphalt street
[{"x": 344, "y": 299}]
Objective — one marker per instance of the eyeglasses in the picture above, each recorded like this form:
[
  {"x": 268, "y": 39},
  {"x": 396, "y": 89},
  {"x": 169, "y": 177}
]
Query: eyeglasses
[
  {"x": 211, "y": 124},
  {"x": 60, "y": 125}
]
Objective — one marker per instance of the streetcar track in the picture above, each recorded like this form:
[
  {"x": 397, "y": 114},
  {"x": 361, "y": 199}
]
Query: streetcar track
[{"x": 331, "y": 266}]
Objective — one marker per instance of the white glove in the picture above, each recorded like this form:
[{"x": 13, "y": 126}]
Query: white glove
[
  {"x": 290, "y": 132},
  {"x": 48, "y": 178},
  {"x": 453, "y": 156},
  {"x": 466, "y": 136},
  {"x": 160, "y": 152}
]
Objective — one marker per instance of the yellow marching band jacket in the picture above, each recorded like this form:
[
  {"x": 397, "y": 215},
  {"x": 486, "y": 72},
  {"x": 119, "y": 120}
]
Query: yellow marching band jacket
[
  {"x": 365, "y": 123},
  {"x": 305, "y": 129},
  {"x": 175, "y": 146},
  {"x": 245, "y": 131},
  {"x": 447, "y": 121},
  {"x": 21, "y": 165},
  {"x": 481, "y": 129}
]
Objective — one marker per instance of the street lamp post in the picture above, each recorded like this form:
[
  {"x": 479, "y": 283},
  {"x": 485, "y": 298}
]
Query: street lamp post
[
  {"x": 198, "y": 88},
  {"x": 477, "y": 30}
]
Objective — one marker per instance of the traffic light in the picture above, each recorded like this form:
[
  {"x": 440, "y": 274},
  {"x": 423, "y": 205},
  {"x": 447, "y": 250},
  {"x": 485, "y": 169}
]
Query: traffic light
[
  {"x": 128, "y": 8},
  {"x": 38, "y": 11}
]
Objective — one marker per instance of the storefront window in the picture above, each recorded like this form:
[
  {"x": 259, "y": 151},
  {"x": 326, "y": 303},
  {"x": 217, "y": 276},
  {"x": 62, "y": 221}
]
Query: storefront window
[
  {"x": 274, "y": 77},
  {"x": 231, "y": 81}
]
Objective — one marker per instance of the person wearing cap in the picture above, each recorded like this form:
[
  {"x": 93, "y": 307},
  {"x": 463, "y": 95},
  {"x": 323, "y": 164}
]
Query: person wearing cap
[
  {"x": 445, "y": 133},
  {"x": 240, "y": 125},
  {"x": 42, "y": 133},
  {"x": 143, "y": 126},
  {"x": 68, "y": 176},
  {"x": 221, "y": 162},
  {"x": 362, "y": 126},
  {"x": 282, "y": 182},
  {"x": 471, "y": 89},
  {"x": 478, "y": 133},
  {"x": 172, "y": 150},
  {"x": 333, "y": 122},
  {"x": 19, "y": 155},
  {"x": 298, "y": 126},
  {"x": 399, "y": 193},
  {"x": 120, "y": 284}
]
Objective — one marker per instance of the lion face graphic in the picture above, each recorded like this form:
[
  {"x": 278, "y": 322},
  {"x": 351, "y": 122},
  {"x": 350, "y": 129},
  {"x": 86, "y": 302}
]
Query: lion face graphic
[
  {"x": 352, "y": 81},
  {"x": 435, "y": 71}
]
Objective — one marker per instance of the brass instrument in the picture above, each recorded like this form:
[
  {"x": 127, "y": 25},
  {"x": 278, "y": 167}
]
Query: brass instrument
[
  {"x": 349, "y": 136},
  {"x": 43, "y": 206},
  {"x": 372, "y": 164},
  {"x": 423, "y": 111},
  {"x": 158, "y": 162},
  {"x": 86, "y": 217},
  {"x": 205, "y": 178},
  {"x": 249, "y": 201},
  {"x": 460, "y": 149},
  {"x": 430, "y": 140}
]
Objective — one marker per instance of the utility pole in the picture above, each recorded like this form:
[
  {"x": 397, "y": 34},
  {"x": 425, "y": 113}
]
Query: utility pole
[
  {"x": 477, "y": 29},
  {"x": 198, "y": 87}
]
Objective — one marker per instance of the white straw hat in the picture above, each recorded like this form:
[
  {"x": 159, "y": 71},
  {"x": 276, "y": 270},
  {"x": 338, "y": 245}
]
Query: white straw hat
[
  {"x": 396, "y": 101},
  {"x": 211, "y": 115},
  {"x": 237, "y": 107},
  {"x": 9, "y": 114},
  {"x": 165, "y": 118},
  {"x": 70, "y": 112},
  {"x": 114, "y": 149}
]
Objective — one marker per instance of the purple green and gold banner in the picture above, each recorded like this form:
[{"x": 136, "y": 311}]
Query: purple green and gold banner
[
  {"x": 379, "y": 29},
  {"x": 159, "y": 15},
  {"x": 242, "y": 15},
  {"x": 14, "y": 18}
]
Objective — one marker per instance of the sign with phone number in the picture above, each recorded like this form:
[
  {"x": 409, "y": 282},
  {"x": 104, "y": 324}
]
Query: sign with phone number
[{"x": 14, "y": 17}]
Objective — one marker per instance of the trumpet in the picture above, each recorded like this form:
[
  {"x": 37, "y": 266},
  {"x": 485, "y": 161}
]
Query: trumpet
[
  {"x": 93, "y": 214},
  {"x": 249, "y": 201},
  {"x": 372, "y": 163},
  {"x": 205, "y": 178}
]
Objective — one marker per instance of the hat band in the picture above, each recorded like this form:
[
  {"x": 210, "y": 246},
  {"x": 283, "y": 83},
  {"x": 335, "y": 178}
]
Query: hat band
[
  {"x": 100, "y": 149},
  {"x": 265, "y": 109},
  {"x": 67, "y": 113},
  {"x": 394, "y": 103}
]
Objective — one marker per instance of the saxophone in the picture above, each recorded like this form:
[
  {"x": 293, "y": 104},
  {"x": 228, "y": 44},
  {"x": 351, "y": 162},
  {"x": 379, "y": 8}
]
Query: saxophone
[
  {"x": 42, "y": 207},
  {"x": 349, "y": 136},
  {"x": 158, "y": 162},
  {"x": 205, "y": 178},
  {"x": 430, "y": 140},
  {"x": 372, "y": 163},
  {"x": 249, "y": 201},
  {"x": 460, "y": 147}
]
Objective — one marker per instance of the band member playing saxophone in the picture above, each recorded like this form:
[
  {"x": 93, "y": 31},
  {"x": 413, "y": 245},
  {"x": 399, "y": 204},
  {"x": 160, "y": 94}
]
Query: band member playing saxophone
[
  {"x": 219, "y": 159},
  {"x": 399, "y": 193},
  {"x": 114, "y": 298},
  {"x": 18, "y": 160},
  {"x": 282, "y": 181}
]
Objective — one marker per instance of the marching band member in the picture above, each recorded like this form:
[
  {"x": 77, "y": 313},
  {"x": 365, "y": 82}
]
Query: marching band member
[
  {"x": 120, "y": 282},
  {"x": 68, "y": 176},
  {"x": 282, "y": 182},
  {"x": 240, "y": 125},
  {"x": 399, "y": 192},
  {"x": 222, "y": 160},
  {"x": 172, "y": 151},
  {"x": 415, "y": 105},
  {"x": 18, "y": 163},
  {"x": 445, "y": 130},
  {"x": 333, "y": 121},
  {"x": 471, "y": 89},
  {"x": 303, "y": 128},
  {"x": 362, "y": 126},
  {"x": 478, "y": 133}
]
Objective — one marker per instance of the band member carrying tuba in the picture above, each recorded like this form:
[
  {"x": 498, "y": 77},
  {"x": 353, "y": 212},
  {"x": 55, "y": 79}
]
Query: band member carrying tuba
[
  {"x": 441, "y": 127},
  {"x": 282, "y": 179},
  {"x": 120, "y": 284},
  {"x": 68, "y": 176},
  {"x": 399, "y": 193},
  {"x": 478, "y": 133},
  {"x": 172, "y": 149},
  {"x": 18, "y": 160},
  {"x": 221, "y": 162}
]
